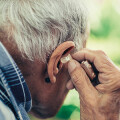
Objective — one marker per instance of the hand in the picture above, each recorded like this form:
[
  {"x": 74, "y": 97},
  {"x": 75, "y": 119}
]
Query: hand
[
  {"x": 109, "y": 74},
  {"x": 101, "y": 102}
]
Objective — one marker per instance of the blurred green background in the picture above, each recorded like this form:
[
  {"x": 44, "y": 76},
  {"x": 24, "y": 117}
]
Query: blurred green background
[{"x": 105, "y": 35}]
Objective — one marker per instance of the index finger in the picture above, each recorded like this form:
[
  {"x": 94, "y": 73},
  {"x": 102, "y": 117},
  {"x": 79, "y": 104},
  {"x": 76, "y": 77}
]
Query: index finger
[
  {"x": 97, "y": 57},
  {"x": 85, "y": 54}
]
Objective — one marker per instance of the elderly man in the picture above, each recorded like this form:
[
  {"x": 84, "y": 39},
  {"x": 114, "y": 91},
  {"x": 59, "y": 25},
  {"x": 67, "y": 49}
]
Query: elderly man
[{"x": 31, "y": 31}]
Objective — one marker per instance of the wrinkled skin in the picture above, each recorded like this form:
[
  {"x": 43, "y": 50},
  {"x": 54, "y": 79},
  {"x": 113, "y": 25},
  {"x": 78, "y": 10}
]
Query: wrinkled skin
[
  {"x": 46, "y": 97},
  {"x": 102, "y": 101}
]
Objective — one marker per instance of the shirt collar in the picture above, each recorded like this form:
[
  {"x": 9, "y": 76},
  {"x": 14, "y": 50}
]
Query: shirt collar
[{"x": 14, "y": 91}]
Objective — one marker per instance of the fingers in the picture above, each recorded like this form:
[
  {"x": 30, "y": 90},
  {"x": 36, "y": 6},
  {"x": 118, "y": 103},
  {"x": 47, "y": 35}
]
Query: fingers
[
  {"x": 111, "y": 86},
  {"x": 70, "y": 85},
  {"x": 85, "y": 54},
  {"x": 97, "y": 57},
  {"x": 80, "y": 79}
]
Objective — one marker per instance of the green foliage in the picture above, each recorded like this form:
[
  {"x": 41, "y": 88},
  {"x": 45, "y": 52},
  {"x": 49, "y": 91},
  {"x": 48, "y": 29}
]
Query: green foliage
[
  {"x": 109, "y": 23},
  {"x": 66, "y": 111},
  {"x": 104, "y": 29},
  {"x": 116, "y": 59}
]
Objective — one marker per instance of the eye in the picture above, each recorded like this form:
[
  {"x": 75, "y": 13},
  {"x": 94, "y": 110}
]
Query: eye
[{"x": 47, "y": 80}]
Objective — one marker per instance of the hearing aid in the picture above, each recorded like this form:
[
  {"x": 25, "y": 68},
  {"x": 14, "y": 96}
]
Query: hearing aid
[
  {"x": 66, "y": 59},
  {"x": 84, "y": 64}
]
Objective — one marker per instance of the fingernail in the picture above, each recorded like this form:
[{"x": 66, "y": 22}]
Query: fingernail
[{"x": 71, "y": 66}]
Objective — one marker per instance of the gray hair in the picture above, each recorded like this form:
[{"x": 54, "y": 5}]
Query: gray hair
[{"x": 39, "y": 26}]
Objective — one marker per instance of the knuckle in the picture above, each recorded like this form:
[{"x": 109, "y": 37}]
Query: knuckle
[
  {"x": 101, "y": 52},
  {"x": 75, "y": 79},
  {"x": 87, "y": 50}
]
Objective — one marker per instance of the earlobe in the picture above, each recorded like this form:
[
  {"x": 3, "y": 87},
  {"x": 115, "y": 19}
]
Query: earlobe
[{"x": 62, "y": 50}]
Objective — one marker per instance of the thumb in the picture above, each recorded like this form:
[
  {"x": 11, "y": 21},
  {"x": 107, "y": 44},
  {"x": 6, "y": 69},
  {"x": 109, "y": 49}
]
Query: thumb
[{"x": 80, "y": 78}]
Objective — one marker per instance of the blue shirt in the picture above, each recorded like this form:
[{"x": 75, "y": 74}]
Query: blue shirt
[{"x": 14, "y": 93}]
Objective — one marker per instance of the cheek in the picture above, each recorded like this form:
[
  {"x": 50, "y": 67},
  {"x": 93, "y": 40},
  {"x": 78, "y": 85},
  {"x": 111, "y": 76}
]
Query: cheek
[
  {"x": 47, "y": 98},
  {"x": 61, "y": 81},
  {"x": 46, "y": 92}
]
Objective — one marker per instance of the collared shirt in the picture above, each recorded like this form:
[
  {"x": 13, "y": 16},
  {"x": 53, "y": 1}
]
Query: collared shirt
[{"x": 14, "y": 92}]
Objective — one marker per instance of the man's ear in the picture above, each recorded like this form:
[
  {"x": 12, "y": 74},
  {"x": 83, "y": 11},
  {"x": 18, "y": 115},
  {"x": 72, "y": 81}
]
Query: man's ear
[{"x": 54, "y": 63}]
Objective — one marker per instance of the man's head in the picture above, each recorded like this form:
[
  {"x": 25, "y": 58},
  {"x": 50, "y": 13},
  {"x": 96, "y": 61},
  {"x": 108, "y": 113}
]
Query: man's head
[{"x": 32, "y": 31}]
